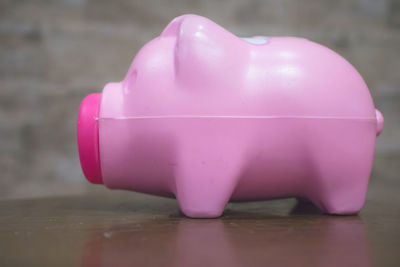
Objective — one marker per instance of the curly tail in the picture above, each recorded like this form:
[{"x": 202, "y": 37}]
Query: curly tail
[{"x": 379, "y": 122}]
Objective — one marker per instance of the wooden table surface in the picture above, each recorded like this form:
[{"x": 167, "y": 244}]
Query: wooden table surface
[{"x": 115, "y": 228}]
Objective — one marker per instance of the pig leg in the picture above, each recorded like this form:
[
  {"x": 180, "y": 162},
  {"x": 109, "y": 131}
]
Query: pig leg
[
  {"x": 203, "y": 188},
  {"x": 342, "y": 197},
  {"x": 210, "y": 159},
  {"x": 340, "y": 181}
]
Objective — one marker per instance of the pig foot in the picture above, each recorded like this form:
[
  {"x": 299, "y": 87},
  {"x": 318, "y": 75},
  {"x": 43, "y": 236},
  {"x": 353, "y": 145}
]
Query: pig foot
[
  {"x": 340, "y": 168},
  {"x": 341, "y": 196},
  {"x": 204, "y": 193}
]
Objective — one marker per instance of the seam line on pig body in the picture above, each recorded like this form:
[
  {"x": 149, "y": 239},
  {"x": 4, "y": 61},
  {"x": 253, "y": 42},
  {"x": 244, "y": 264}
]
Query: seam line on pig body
[{"x": 236, "y": 117}]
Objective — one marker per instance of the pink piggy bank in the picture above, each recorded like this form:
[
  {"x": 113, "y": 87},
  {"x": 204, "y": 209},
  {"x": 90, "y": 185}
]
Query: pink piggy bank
[{"x": 207, "y": 117}]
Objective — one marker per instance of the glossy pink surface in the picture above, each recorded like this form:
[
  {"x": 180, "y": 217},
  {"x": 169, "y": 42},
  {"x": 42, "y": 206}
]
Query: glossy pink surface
[{"x": 207, "y": 117}]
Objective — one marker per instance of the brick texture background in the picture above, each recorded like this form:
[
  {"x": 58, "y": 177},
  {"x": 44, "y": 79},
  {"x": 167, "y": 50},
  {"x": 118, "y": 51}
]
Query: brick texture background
[{"x": 55, "y": 52}]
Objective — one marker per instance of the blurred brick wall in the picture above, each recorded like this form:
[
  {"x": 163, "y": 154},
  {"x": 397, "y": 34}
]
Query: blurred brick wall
[{"x": 54, "y": 52}]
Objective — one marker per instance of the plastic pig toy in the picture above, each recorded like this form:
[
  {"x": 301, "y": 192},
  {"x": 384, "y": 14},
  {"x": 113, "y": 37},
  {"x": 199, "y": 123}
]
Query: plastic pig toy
[{"x": 208, "y": 117}]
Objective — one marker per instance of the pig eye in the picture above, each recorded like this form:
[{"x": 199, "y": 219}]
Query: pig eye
[{"x": 257, "y": 40}]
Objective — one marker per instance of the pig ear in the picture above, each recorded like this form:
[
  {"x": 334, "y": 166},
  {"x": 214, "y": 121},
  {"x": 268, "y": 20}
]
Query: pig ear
[
  {"x": 202, "y": 49},
  {"x": 173, "y": 27}
]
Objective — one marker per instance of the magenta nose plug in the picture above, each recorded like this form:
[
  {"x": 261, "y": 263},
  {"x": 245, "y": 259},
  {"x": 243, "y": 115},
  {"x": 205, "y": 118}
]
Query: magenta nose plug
[{"x": 88, "y": 138}]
